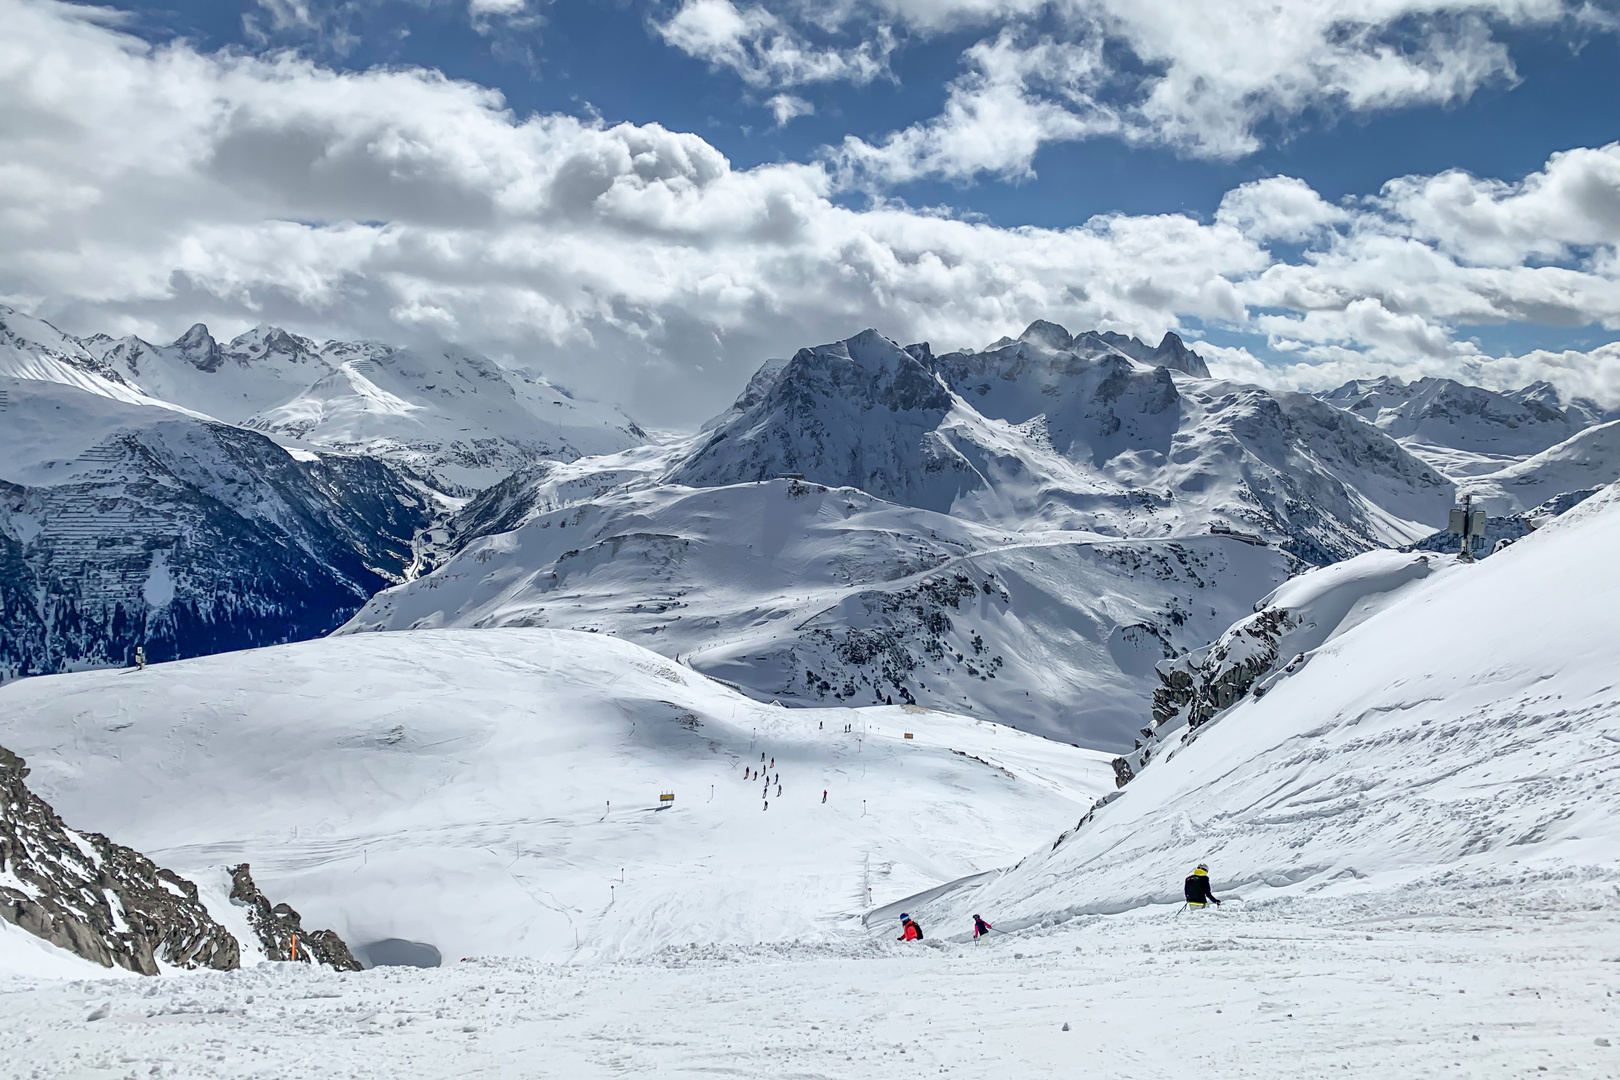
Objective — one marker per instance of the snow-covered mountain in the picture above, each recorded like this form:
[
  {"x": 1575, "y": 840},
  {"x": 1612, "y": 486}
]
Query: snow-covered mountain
[
  {"x": 1023, "y": 532},
  {"x": 1071, "y": 432},
  {"x": 1586, "y": 461},
  {"x": 459, "y": 419},
  {"x": 126, "y": 523},
  {"x": 1454, "y": 726},
  {"x": 807, "y": 593},
  {"x": 454, "y": 416},
  {"x": 1580, "y": 410},
  {"x": 498, "y": 791},
  {"x": 1463, "y": 430}
]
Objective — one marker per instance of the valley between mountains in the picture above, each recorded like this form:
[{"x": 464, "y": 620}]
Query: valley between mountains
[{"x": 593, "y": 752}]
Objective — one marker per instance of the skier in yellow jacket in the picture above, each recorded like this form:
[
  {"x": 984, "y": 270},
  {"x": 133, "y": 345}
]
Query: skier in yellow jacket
[{"x": 1196, "y": 888}]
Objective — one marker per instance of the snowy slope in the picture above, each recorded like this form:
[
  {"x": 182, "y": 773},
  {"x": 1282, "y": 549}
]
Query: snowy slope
[
  {"x": 125, "y": 524},
  {"x": 1464, "y": 430},
  {"x": 1071, "y": 433},
  {"x": 461, "y": 419},
  {"x": 1590, "y": 459},
  {"x": 454, "y": 788},
  {"x": 817, "y": 594},
  {"x": 457, "y": 417},
  {"x": 1464, "y": 735}
]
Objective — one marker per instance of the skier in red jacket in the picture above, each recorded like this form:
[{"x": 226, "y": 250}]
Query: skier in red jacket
[{"x": 910, "y": 931}]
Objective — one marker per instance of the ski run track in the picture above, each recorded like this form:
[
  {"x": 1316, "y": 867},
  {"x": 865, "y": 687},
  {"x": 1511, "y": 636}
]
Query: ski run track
[{"x": 1415, "y": 834}]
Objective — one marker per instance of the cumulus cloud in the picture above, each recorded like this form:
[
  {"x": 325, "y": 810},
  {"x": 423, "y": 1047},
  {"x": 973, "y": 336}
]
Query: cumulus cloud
[
  {"x": 766, "y": 50},
  {"x": 1017, "y": 97},
  {"x": 1278, "y": 208},
  {"x": 1203, "y": 79},
  {"x": 1573, "y": 205},
  {"x": 636, "y": 264}
]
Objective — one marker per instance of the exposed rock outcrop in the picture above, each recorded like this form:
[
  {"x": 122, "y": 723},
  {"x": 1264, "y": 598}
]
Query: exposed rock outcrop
[
  {"x": 95, "y": 898},
  {"x": 279, "y": 927},
  {"x": 114, "y": 906}
]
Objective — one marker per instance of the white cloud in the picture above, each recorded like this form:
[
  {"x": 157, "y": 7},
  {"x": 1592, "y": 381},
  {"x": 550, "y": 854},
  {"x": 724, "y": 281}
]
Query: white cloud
[
  {"x": 786, "y": 107},
  {"x": 1573, "y": 204},
  {"x": 1017, "y": 97},
  {"x": 1278, "y": 208},
  {"x": 637, "y": 264},
  {"x": 1202, "y": 79},
  {"x": 765, "y": 50}
]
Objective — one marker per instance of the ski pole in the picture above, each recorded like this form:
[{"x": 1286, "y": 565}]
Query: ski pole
[{"x": 1179, "y": 910}]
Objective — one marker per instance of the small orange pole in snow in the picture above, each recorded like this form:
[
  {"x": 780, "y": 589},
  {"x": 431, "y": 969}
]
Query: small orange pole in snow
[{"x": 295, "y": 946}]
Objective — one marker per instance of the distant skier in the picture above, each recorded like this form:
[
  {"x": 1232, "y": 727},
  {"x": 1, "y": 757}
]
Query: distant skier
[
  {"x": 909, "y": 931},
  {"x": 773, "y": 763},
  {"x": 767, "y": 804},
  {"x": 980, "y": 928},
  {"x": 1196, "y": 888},
  {"x": 824, "y": 796},
  {"x": 777, "y": 779},
  {"x": 778, "y": 791},
  {"x": 140, "y": 657}
]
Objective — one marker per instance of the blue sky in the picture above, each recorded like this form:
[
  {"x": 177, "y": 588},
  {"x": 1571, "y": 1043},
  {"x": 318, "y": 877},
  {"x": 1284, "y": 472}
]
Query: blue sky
[
  {"x": 911, "y": 115},
  {"x": 584, "y": 56}
]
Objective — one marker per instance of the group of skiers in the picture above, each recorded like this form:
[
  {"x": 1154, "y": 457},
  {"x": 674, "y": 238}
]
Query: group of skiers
[
  {"x": 1195, "y": 889},
  {"x": 911, "y": 931}
]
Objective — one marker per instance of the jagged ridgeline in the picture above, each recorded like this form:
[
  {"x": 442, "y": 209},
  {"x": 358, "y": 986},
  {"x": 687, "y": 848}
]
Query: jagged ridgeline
[
  {"x": 113, "y": 906},
  {"x": 1090, "y": 432}
]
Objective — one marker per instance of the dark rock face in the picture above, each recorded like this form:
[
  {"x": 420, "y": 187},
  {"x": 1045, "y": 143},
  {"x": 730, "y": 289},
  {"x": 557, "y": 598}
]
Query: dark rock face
[
  {"x": 279, "y": 928},
  {"x": 188, "y": 538},
  {"x": 114, "y": 906},
  {"x": 1171, "y": 353},
  {"x": 199, "y": 348},
  {"x": 1193, "y": 688},
  {"x": 95, "y": 898}
]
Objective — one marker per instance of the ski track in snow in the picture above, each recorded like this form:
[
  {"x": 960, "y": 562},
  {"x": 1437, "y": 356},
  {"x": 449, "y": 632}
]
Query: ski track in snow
[{"x": 1425, "y": 984}]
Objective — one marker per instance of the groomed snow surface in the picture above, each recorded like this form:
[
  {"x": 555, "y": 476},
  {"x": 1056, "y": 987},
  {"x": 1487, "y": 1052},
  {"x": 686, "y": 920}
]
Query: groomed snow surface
[
  {"x": 498, "y": 791},
  {"x": 1415, "y": 834},
  {"x": 1310, "y": 988}
]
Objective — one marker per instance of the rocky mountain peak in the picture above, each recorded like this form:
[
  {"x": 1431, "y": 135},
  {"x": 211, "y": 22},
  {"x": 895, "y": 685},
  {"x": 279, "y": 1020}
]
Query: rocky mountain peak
[
  {"x": 1047, "y": 335},
  {"x": 1174, "y": 354},
  {"x": 264, "y": 342},
  {"x": 1171, "y": 352},
  {"x": 198, "y": 348},
  {"x": 866, "y": 371}
]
